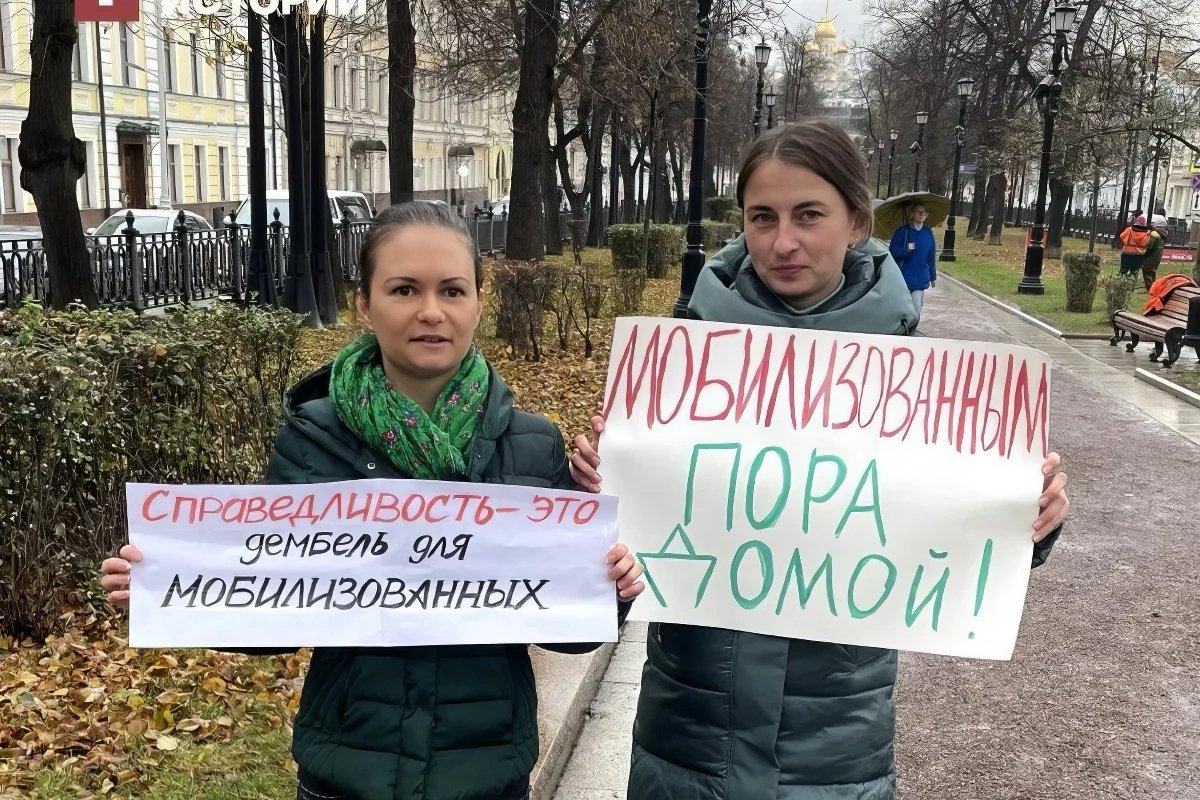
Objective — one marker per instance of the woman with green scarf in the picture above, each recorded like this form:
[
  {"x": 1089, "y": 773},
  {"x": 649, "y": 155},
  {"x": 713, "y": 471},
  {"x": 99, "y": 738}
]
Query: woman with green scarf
[{"x": 413, "y": 398}]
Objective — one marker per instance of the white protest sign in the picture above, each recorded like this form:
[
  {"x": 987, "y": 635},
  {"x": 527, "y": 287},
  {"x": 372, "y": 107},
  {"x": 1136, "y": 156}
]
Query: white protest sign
[
  {"x": 866, "y": 490},
  {"x": 369, "y": 563}
]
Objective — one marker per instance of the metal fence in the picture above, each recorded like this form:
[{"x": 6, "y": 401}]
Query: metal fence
[{"x": 152, "y": 270}]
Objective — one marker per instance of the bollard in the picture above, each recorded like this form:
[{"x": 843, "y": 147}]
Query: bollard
[
  {"x": 184, "y": 256},
  {"x": 240, "y": 295},
  {"x": 1191, "y": 337},
  {"x": 133, "y": 258}
]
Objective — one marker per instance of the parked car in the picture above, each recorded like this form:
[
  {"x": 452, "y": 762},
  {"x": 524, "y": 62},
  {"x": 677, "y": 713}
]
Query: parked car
[
  {"x": 149, "y": 220},
  {"x": 352, "y": 205}
]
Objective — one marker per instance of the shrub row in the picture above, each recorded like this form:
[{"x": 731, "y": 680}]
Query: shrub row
[{"x": 92, "y": 400}]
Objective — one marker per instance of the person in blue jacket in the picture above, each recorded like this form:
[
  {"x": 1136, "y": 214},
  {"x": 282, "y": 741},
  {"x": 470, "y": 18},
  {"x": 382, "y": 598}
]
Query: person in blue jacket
[{"x": 915, "y": 251}]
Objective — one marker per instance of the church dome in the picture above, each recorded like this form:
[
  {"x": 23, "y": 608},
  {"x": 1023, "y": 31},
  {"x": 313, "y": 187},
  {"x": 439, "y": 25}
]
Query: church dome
[{"x": 825, "y": 29}]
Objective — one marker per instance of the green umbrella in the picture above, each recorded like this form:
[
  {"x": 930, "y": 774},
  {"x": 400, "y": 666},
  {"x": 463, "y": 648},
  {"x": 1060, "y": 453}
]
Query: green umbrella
[{"x": 893, "y": 212}]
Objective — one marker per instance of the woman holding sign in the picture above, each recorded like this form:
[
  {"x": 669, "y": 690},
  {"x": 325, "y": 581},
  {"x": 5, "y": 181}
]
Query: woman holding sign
[
  {"x": 728, "y": 715},
  {"x": 414, "y": 399}
]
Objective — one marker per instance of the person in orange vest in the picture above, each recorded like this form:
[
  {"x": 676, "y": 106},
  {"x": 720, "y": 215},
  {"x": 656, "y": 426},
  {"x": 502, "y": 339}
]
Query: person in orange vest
[
  {"x": 1134, "y": 241},
  {"x": 1154, "y": 252}
]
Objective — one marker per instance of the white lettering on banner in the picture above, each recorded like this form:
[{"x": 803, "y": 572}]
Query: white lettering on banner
[
  {"x": 371, "y": 563},
  {"x": 869, "y": 490}
]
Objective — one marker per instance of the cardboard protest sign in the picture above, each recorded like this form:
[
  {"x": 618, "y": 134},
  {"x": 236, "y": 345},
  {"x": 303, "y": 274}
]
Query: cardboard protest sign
[
  {"x": 369, "y": 563},
  {"x": 866, "y": 490}
]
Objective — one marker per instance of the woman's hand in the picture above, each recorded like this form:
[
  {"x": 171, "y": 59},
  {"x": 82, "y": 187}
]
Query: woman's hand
[
  {"x": 624, "y": 570},
  {"x": 1053, "y": 503},
  {"x": 585, "y": 459},
  {"x": 114, "y": 575}
]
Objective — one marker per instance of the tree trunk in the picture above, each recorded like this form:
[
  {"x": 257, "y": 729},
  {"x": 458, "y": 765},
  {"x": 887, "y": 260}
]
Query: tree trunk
[
  {"x": 595, "y": 179},
  {"x": 996, "y": 207},
  {"x": 52, "y": 158},
  {"x": 629, "y": 200},
  {"x": 1095, "y": 207},
  {"x": 677, "y": 173},
  {"x": 988, "y": 195},
  {"x": 1060, "y": 193},
  {"x": 402, "y": 65},
  {"x": 554, "y": 232},
  {"x": 531, "y": 133},
  {"x": 978, "y": 204}
]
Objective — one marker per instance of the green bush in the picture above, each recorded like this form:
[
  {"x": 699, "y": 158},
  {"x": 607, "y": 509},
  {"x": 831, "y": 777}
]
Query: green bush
[
  {"x": 93, "y": 400},
  {"x": 523, "y": 290},
  {"x": 715, "y": 234},
  {"x": 1117, "y": 291},
  {"x": 718, "y": 208},
  {"x": 1081, "y": 270},
  {"x": 666, "y": 247}
]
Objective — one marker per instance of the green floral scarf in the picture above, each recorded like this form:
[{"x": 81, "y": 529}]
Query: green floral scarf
[{"x": 430, "y": 448}]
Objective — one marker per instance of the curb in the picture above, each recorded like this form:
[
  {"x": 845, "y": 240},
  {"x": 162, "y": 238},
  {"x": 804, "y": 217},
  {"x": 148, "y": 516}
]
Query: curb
[
  {"x": 1094, "y": 337},
  {"x": 1016, "y": 312},
  {"x": 572, "y": 714},
  {"x": 1170, "y": 387}
]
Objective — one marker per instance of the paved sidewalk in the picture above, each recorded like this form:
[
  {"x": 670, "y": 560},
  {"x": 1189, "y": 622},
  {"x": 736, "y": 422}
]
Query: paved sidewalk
[{"x": 1102, "y": 698}]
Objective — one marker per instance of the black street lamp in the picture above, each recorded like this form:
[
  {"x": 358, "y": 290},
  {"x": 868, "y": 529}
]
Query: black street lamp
[
  {"x": 1046, "y": 93},
  {"x": 762, "y": 54},
  {"x": 878, "y": 165},
  {"x": 893, "y": 135},
  {"x": 965, "y": 85},
  {"x": 693, "y": 257},
  {"x": 922, "y": 118},
  {"x": 770, "y": 99}
]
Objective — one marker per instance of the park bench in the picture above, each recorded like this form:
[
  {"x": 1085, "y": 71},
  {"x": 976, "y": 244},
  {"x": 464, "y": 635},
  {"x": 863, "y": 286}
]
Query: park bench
[{"x": 1164, "y": 328}]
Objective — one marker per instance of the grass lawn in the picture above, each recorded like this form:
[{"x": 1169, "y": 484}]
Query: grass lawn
[{"x": 996, "y": 270}]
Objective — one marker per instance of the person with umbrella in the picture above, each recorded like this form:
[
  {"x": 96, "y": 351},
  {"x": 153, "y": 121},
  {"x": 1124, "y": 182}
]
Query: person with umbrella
[{"x": 912, "y": 246}]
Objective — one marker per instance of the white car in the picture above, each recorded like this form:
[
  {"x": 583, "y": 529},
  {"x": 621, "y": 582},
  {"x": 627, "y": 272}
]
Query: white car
[
  {"x": 352, "y": 205},
  {"x": 149, "y": 220}
]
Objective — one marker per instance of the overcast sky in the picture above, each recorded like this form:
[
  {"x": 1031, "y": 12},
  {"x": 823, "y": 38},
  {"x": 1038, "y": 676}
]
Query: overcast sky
[{"x": 847, "y": 15}]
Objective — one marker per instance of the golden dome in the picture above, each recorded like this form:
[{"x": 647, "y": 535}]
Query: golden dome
[
  {"x": 839, "y": 48},
  {"x": 811, "y": 47},
  {"x": 825, "y": 29}
]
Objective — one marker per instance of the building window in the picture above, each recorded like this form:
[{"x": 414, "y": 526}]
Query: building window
[
  {"x": 197, "y": 82},
  {"x": 198, "y": 175},
  {"x": 168, "y": 72},
  {"x": 7, "y": 174},
  {"x": 173, "y": 174},
  {"x": 76, "y": 52},
  {"x": 5, "y": 53},
  {"x": 353, "y": 97},
  {"x": 223, "y": 166},
  {"x": 220, "y": 67},
  {"x": 338, "y": 89},
  {"x": 383, "y": 93},
  {"x": 128, "y": 54},
  {"x": 83, "y": 187}
]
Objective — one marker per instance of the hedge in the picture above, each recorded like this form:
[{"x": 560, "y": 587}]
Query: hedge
[
  {"x": 93, "y": 400},
  {"x": 666, "y": 247}
]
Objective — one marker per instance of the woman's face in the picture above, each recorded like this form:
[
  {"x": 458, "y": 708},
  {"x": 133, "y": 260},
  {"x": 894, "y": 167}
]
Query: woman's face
[
  {"x": 423, "y": 306},
  {"x": 798, "y": 228}
]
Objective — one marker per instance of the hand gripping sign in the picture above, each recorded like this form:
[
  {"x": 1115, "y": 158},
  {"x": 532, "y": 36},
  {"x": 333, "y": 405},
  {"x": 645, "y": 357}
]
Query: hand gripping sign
[
  {"x": 369, "y": 563},
  {"x": 866, "y": 490}
]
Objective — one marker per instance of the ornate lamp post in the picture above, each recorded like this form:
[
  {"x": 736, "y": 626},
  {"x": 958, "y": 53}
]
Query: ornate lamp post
[
  {"x": 922, "y": 118},
  {"x": 770, "y": 99},
  {"x": 893, "y": 135},
  {"x": 965, "y": 85},
  {"x": 878, "y": 165},
  {"x": 1047, "y": 92},
  {"x": 762, "y": 54}
]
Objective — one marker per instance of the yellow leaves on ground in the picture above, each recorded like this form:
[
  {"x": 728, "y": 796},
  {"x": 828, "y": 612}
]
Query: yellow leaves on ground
[{"x": 85, "y": 705}]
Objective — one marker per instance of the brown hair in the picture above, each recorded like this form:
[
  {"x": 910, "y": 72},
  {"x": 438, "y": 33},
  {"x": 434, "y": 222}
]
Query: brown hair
[
  {"x": 417, "y": 212},
  {"x": 824, "y": 148}
]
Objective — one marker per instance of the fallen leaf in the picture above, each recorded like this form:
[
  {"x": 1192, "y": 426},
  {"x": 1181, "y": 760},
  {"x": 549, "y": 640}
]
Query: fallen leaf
[{"x": 166, "y": 742}]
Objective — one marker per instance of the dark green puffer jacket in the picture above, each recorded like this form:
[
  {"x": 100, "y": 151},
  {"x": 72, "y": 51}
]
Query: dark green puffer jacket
[
  {"x": 418, "y": 723},
  {"x": 725, "y": 715}
]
